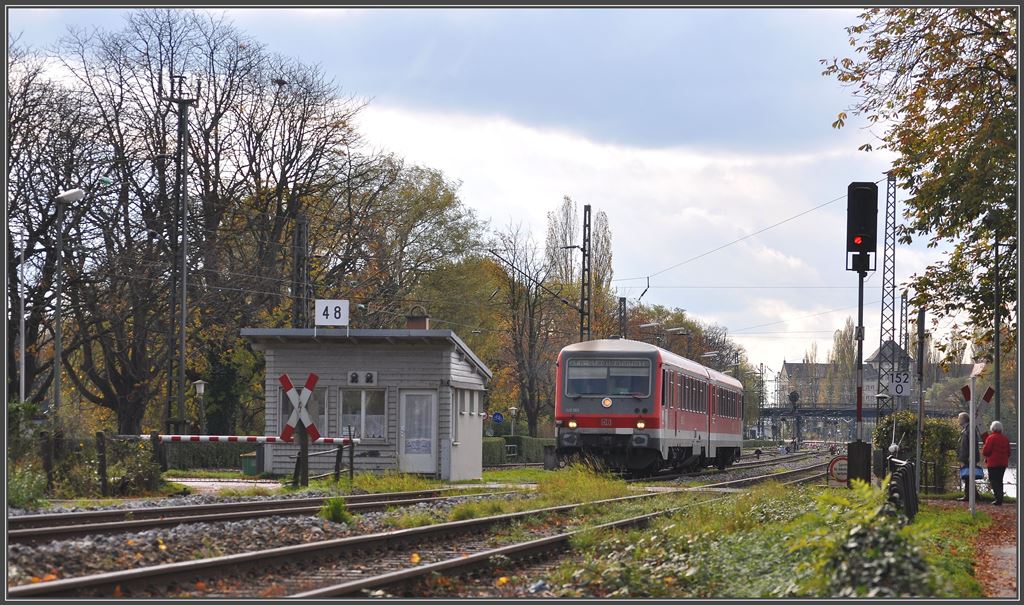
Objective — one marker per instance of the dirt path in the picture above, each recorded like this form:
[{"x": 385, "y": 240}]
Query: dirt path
[{"x": 995, "y": 562}]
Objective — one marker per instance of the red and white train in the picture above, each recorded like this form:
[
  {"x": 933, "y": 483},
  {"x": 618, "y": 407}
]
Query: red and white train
[{"x": 641, "y": 408}]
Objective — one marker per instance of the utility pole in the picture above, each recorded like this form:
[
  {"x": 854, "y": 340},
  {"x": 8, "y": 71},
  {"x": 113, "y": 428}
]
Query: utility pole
[
  {"x": 21, "y": 321},
  {"x": 760, "y": 403},
  {"x": 300, "y": 273},
  {"x": 887, "y": 354},
  {"x": 623, "y": 325},
  {"x": 181, "y": 198},
  {"x": 585, "y": 285},
  {"x": 905, "y": 346}
]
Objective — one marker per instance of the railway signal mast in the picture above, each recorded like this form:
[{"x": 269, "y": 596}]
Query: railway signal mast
[{"x": 861, "y": 250}]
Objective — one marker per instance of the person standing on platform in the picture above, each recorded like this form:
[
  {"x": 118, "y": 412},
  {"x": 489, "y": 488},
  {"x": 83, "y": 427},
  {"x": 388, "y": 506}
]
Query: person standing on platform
[
  {"x": 997, "y": 457},
  {"x": 964, "y": 454}
]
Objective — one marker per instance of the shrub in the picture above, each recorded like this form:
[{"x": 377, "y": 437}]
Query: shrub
[
  {"x": 133, "y": 471},
  {"x": 941, "y": 437},
  {"x": 335, "y": 510},
  {"x": 25, "y": 485},
  {"x": 21, "y": 431},
  {"x": 494, "y": 451},
  {"x": 861, "y": 549},
  {"x": 207, "y": 455}
]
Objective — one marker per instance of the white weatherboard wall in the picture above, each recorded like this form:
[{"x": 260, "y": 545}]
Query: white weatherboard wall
[{"x": 401, "y": 363}]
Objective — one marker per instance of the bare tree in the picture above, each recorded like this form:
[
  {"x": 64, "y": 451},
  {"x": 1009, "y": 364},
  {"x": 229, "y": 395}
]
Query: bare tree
[
  {"x": 51, "y": 147},
  {"x": 532, "y": 326}
]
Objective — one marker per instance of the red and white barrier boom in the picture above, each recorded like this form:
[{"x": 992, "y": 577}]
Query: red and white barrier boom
[{"x": 249, "y": 439}]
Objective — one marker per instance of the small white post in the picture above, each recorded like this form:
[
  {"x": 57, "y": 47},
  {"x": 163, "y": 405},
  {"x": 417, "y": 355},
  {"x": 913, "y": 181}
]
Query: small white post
[{"x": 970, "y": 469}]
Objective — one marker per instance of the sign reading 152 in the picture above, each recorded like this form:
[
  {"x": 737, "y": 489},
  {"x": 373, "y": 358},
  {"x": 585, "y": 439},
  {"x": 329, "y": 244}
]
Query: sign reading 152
[
  {"x": 899, "y": 384},
  {"x": 331, "y": 312}
]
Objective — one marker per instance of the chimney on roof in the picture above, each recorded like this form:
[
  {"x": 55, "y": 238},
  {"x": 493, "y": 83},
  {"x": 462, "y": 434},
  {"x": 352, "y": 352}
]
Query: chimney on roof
[{"x": 417, "y": 319}]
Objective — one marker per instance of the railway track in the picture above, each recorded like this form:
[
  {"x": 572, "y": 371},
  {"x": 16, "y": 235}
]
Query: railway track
[
  {"x": 60, "y": 526},
  {"x": 737, "y": 466},
  {"x": 349, "y": 565}
]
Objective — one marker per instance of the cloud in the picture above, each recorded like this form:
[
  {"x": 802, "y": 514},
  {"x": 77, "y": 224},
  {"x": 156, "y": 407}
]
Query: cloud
[{"x": 667, "y": 205}]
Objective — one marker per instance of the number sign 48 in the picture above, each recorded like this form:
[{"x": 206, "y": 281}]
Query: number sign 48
[{"x": 331, "y": 312}]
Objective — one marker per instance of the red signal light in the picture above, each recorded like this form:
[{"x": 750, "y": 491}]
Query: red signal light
[{"x": 858, "y": 240}]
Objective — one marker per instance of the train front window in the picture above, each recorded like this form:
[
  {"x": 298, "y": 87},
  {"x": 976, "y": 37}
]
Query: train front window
[{"x": 602, "y": 377}]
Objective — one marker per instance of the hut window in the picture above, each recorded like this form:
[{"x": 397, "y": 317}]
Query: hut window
[{"x": 363, "y": 410}]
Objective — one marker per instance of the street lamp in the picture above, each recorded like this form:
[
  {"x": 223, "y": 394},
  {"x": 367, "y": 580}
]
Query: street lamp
[
  {"x": 512, "y": 412},
  {"x": 67, "y": 197},
  {"x": 200, "y": 389},
  {"x": 992, "y": 220}
]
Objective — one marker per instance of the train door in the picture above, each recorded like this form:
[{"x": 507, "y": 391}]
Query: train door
[{"x": 712, "y": 421}]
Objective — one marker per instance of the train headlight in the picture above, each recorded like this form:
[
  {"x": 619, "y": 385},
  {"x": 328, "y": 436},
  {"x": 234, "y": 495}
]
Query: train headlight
[
  {"x": 606, "y": 402},
  {"x": 572, "y": 424},
  {"x": 640, "y": 424}
]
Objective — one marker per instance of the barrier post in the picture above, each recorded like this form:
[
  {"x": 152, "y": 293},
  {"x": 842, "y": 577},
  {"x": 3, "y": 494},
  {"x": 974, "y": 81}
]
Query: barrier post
[
  {"x": 159, "y": 454},
  {"x": 337, "y": 462},
  {"x": 101, "y": 457},
  {"x": 351, "y": 457},
  {"x": 301, "y": 474},
  {"x": 46, "y": 445}
]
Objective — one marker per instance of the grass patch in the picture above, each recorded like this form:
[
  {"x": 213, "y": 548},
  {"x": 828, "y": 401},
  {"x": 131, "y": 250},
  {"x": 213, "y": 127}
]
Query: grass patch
[
  {"x": 946, "y": 540},
  {"x": 243, "y": 492},
  {"x": 391, "y": 481},
  {"x": 515, "y": 475},
  {"x": 335, "y": 510},
  {"x": 412, "y": 519},
  {"x": 475, "y": 510},
  {"x": 578, "y": 483},
  {"x": 203, "y": 473}
]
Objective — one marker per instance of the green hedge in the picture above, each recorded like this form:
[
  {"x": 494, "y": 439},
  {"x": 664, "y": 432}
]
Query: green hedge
[
  {"x": 494, "y": 451},
  {"x": 938, "y": 450},
  {"x": 186, "y": 456},
  {"x": 531, "y": 449}
]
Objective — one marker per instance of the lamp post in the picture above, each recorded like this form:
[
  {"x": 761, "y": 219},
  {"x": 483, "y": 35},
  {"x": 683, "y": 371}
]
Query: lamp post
[
  {"x": 992, "y": 219},
  {"x": 512, "y": 412},
  {"x": 67, "y": 197},
  {"x": 21, "y": 322},
  {"x": 200, "y": 389}
]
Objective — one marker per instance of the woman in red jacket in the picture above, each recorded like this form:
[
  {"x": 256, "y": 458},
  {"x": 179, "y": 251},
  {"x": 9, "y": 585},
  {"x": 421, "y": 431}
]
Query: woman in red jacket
[{"x": 997, "y": 457}]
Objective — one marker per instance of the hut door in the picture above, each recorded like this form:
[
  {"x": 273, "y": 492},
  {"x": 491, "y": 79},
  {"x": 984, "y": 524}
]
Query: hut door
[{"x": 417, "y": 435}]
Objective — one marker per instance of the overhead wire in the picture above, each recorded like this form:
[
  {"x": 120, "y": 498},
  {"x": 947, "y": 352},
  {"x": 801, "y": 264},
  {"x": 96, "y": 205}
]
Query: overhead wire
[{"x": 736, "y": 241}]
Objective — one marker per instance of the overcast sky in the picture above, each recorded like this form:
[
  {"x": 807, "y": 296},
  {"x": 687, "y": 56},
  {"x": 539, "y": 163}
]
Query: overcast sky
[{"x": 690, "y": 128}]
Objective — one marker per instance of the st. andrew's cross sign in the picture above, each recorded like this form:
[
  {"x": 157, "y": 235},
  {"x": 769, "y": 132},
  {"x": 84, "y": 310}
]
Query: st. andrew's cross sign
[{"x": 299, "y": 411}]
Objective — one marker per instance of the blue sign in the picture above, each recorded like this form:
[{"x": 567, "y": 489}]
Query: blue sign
[{"x": 498, "y": 418}]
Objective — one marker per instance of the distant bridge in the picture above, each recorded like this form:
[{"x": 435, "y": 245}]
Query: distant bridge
[{"x": 867, "y": 412}]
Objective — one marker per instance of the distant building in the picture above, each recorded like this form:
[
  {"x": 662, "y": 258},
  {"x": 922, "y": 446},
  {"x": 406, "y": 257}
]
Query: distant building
[{"x": 811, "y": 381}]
